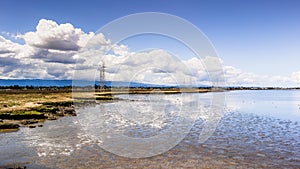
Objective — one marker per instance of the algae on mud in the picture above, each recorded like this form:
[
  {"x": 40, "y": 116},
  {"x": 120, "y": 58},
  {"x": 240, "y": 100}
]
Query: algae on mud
[{"x": 26, "y": 108}]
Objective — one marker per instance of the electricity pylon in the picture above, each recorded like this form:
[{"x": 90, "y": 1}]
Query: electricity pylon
[{"x": 102, "y": 77}]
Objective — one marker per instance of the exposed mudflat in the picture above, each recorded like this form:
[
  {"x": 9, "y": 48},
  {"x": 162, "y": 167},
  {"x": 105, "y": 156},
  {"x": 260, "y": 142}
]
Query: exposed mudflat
[{"x": 245, "y": 137}]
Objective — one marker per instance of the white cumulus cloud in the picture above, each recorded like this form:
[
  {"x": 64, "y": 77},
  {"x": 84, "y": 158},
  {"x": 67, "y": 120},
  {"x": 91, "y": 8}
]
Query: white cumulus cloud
[
  {"x": 55, "y": 51},
  {"x": 7, "y": 46},
  {"x": 50, "y": 35}
]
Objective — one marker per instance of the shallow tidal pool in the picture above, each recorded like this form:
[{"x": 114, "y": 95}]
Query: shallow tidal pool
[{"x": 256, "y": 129}]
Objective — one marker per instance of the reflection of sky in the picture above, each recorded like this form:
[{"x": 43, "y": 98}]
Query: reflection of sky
[
  {"x": 65, "y": 137},
  {"x": 132, "y": 126},
  {"x": 12, "y": 148},
  {"x": 55, "y": 139},
  {"x": 282, "y": 104}
]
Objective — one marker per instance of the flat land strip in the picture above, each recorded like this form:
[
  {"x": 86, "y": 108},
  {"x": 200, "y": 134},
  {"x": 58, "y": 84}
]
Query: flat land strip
[{"x": 19, "y": 107}]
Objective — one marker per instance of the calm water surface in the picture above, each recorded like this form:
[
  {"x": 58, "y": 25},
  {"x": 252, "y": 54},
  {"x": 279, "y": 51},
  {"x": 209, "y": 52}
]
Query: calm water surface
[{"x": 258, "y": 129}]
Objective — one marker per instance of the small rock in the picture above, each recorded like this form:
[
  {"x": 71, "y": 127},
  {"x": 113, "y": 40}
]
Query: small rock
[
  {"x": 52, "y": 118},
  {"x": 40, "y": 125},
  {"x": 16, "y": 126},
  {"x": 31, "y": 126},
  {"x": 260, "y": 155},
  {"x": 27, "y": 122}
]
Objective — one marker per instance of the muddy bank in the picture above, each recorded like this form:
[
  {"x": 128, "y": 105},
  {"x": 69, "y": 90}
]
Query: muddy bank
[
  {"x": 32, "y": 108},
  {"x": 35, "y": 116}
]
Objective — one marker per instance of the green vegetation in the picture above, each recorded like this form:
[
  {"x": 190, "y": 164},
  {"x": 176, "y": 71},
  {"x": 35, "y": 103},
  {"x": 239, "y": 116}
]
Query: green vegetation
[
  {"x": 5, "y": 125},
  {"x": 31, "y": 112},
  {"x": 65, "y": 103},
  {"x": 46, "y": 109},
  {"x": 25, "y": 108},
  {"x": 18, "y": 115},
  {"x": 14, "y": 100}
]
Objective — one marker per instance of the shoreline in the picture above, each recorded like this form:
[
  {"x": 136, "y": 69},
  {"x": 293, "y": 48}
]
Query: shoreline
[
  {"x": 31, "y": 107},
  {"x": 236, "y": 142},
  {"x": 19, "y": 109}
]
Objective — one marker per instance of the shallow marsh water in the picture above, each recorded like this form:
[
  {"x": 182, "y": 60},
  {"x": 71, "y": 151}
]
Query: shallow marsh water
[{"x": 258, "y": 129}]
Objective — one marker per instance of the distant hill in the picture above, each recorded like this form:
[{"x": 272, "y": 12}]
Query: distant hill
[
  {"x": 35, "y": 82},
  {"x": 64, "y": 83}
]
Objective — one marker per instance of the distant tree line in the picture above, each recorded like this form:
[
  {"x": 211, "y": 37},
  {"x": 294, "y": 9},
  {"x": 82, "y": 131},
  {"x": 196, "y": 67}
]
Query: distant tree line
[{"x": 30, "y": 87}]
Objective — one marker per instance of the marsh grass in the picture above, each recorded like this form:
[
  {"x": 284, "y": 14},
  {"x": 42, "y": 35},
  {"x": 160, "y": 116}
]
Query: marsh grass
[
  {"x": 26, "y": 101},
  {"x": 22, "y": 108}
]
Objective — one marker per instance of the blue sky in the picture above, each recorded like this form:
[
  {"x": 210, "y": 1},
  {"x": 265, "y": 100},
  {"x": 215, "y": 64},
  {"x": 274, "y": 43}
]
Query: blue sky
[{"x": 260, "y": 37}]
